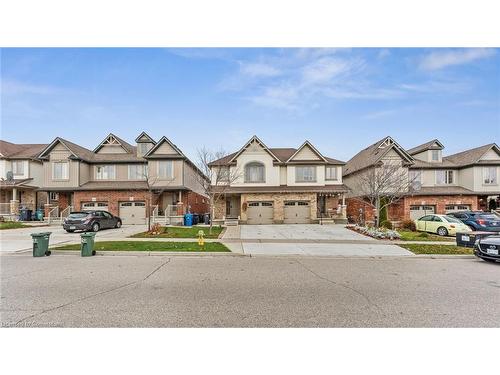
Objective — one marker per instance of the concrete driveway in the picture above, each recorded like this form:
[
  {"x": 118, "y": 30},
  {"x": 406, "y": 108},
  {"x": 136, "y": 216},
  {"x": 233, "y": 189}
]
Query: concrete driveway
[
  {"x": 307, "y": 239},
  {"x": 15, "y": 240},
  {"x": 311, "y": 232}
]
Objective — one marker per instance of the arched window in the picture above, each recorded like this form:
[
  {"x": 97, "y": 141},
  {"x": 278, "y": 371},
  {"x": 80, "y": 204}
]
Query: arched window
[{"x": 255, "y": 172}]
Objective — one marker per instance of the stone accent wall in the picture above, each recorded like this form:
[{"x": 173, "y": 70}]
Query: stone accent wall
[
  {"x": 279, "y": 206},
  {"x": 220, "y": 209},
  {"x": 28, "y": 197},
  {"x": 112, "y": 197}
]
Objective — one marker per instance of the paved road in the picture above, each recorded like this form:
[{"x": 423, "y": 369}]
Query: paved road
[
  {"x": 14, "y": 240},
  {"x": 232, "y": 291}
]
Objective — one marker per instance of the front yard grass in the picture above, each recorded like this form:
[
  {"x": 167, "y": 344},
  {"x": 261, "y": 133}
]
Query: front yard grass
[
  {"x": 407, "y": 235},
  {"x": 437, "y": 249},
  {"x": 150, "y": 246},
  {"x": 12, "y": 225},
  {"x": 181, "y": 232}
]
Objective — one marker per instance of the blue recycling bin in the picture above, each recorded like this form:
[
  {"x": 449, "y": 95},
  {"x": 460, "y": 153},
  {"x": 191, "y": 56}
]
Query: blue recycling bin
[{"x": 188, "y": 220}]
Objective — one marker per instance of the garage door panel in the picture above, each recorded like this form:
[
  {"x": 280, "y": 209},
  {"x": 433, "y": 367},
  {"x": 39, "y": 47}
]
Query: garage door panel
[
  {"x": 260, "y": 213},
  {"x": 456, "y": 208},
  {"x": 91, "y": 206},
  {"x": 416, "y": 212},
  {"x": 133, "y": 212},
  {"x": 297, "y": 212}
]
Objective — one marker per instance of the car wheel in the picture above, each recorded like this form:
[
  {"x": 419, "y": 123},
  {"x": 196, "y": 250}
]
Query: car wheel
[
  {"x": 442, "y": 231},
  {"x": 118, "y": 224},
  {"x": 95, "y": 227}
]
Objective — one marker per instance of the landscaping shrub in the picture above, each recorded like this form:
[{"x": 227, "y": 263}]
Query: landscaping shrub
[
  {"x": 386, "y": 224},
  {"x": 408, "y": 225},
  {"x": 383, "y": 211},
  {"x": 423, "y": 235}
]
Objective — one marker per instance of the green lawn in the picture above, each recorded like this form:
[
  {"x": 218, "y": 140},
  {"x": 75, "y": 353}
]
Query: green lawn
[
  {"x": 12, "y": 225},
  {"x": 182, "y": 232},
  {"x": 150, "y": 246},
  {"x": 407, "y": 235},
  {"x": 437, "y": 249}
]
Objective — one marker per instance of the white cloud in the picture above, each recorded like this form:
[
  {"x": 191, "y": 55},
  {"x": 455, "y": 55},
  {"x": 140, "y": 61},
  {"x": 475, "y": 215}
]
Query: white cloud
[
  {"x": 442, "y": 59},
  {"x": 259, "y": 70},
  {"x": 325, "y": 69}
]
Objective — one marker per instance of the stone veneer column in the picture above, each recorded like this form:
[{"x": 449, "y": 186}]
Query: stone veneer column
[{"x": 14, "y": 207}]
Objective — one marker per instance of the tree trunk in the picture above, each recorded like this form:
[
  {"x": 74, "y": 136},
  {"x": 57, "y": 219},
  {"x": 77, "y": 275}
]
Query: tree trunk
[
  {"x": 212, "y": 210},
  {"x": 377, "y": 210}
]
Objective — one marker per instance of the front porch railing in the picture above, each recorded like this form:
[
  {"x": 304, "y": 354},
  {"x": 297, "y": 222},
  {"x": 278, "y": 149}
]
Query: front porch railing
[
  {"x": 4, "y": 208},
  {"x": 53, "y": 214},
  {"x": 172, "y": 215},
  {"x": 65, "y": 213}
]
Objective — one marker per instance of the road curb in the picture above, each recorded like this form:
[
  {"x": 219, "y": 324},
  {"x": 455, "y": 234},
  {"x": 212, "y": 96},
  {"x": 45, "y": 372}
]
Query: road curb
[{"x": 153, "y": 253}]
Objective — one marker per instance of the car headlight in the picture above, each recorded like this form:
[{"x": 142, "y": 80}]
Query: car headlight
[{"x": 477, "y": 243}]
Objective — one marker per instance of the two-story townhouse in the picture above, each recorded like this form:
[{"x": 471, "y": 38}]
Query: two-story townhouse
[
  {"x": 436, "y": 183},
  {"x": 464, "y": 181},
  {"x": 20, "y": 176},
  {"x": 280, "y": 185},
  {"x": 125, "y": 180}
]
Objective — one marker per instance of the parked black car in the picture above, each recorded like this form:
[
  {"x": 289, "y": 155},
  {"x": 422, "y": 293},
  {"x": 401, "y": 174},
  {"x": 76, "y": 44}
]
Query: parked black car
[
  {"x": 478, "y": 220},
  {"x": 488, "y": 248},
  {"x": 91, "y": 221}
]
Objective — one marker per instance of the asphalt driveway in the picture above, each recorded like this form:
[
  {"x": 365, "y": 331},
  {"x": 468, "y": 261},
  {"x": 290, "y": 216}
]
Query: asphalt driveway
[{"x": 15, "y": 240}]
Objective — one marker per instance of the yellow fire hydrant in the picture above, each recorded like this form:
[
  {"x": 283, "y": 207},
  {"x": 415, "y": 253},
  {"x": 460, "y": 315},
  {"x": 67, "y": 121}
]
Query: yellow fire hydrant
[{"x": 201, "y": 239}]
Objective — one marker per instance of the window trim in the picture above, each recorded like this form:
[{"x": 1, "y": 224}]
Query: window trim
[
  {"x": 435, "y": 152},
  {"x": 171, "y": 177},
  {"x": 17, "y": 163},
  {"x": 484, "y": 176},
  {"x": 103, "y": 166},
  {"x": 315, "y": 174},
  {"x": 65, "y": 169},
  {"x": 446, "y": 177},
  {"x": 255, "y": 164},
  {"x": 143, "y": 175},
  {"x": 336, "y": 173}
]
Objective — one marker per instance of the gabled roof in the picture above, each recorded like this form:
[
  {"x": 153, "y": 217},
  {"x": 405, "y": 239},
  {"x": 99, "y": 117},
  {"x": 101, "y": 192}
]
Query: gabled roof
[
  {"x": 144, "y": 135},
  {"x": 304, "y": 145},
  {"x": 78, "y": 152},
  {"x": 20, "y": 151},
  {"x": 431, "y": 145},
  {"x": 373, "y": 154},
  {"x": 111, "y": 137},
  {"x": 160, "y": 142},
  {"x": 253, "y": 139},
  {"x": 281, "y": 155},
  {"x": 472, "y": 156}
]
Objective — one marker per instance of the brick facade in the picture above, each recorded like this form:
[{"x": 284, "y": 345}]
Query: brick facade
[
  {"x": 111, "y": 197},
  {"x": 198, "y": 203},
  {"x": 401, "y": 210}
]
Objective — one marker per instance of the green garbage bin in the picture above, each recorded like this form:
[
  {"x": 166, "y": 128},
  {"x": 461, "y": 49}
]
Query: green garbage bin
[
  {"x": 41, "y": 244},
  {"x": 87, "y": 248}
]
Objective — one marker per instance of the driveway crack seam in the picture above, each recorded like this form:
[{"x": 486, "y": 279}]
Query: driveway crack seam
[
  {"x": 367, "y": 299},
  {"x": 96, "y": 294}
]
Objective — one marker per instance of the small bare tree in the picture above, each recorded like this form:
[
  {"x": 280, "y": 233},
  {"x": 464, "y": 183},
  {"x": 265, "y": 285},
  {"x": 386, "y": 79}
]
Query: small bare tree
[
  {"x": 216, "y": 179},
  {"x": 383, "y": 185}
]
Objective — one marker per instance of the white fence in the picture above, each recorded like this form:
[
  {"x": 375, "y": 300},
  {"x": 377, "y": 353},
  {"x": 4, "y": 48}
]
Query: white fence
[{"x": 172, "y": 215}]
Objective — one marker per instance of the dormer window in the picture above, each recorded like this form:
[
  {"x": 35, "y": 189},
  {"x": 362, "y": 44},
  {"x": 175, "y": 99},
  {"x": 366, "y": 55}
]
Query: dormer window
[
  {"x": 255, "y": 173},
  {"x": 435, "y": 155}
]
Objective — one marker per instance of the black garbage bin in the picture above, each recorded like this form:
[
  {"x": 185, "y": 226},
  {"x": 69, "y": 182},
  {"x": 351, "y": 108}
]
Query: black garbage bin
[
  {"x": 206, "y": 219},
  {"x": 196, "y": 219},
  {"x": 23, "y": 212}
]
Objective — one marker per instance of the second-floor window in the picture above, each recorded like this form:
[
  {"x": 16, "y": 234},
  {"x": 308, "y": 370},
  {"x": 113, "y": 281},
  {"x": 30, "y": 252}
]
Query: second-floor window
[
  {"x": 17, "y": 167},
  {"x": 415, "y": 178},
  {"x": 144, "y": 148},
  {"x": 490, "y": 176},
  {"x": 305, "y": 174},
  {"x": 331, "y": 174},
  {"x": 445, "y": 177},
  {"x": 60, "y": 170},
  {"x": 105, "y": 172},
  {"x": 166, "y": 169},
  {"x": 435, "y": 155},
  {"x": 255, "y": 172},
  {"x": 137, "y": 172}
]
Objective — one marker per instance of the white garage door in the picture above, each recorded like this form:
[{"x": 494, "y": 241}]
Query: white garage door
[
  {"x": 297, "y": 212},
  {"x": 455, "y": 208},
  {"x": 260, "y": 213},
  {"x": 416, "y": 212},
  {"x": 133, "y": 212},
  {"x": 90, "y": 206}
]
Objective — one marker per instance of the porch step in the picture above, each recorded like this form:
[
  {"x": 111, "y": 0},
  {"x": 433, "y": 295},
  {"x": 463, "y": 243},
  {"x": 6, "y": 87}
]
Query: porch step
[{"x": 231, "y": 222}]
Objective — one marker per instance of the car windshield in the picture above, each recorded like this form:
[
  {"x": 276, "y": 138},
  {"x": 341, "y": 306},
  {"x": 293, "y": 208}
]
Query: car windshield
[
  {"x": 78, "y": 215},
  {"x": 451, "y": 219}
]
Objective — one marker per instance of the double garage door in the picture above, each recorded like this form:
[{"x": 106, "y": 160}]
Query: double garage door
[
  {"x": 133, "y": 212},
  {"x": 296, "y": 212}
]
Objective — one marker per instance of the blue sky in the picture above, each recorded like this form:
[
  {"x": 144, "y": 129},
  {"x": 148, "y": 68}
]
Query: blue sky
[{"x": 342, "y": 100}]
